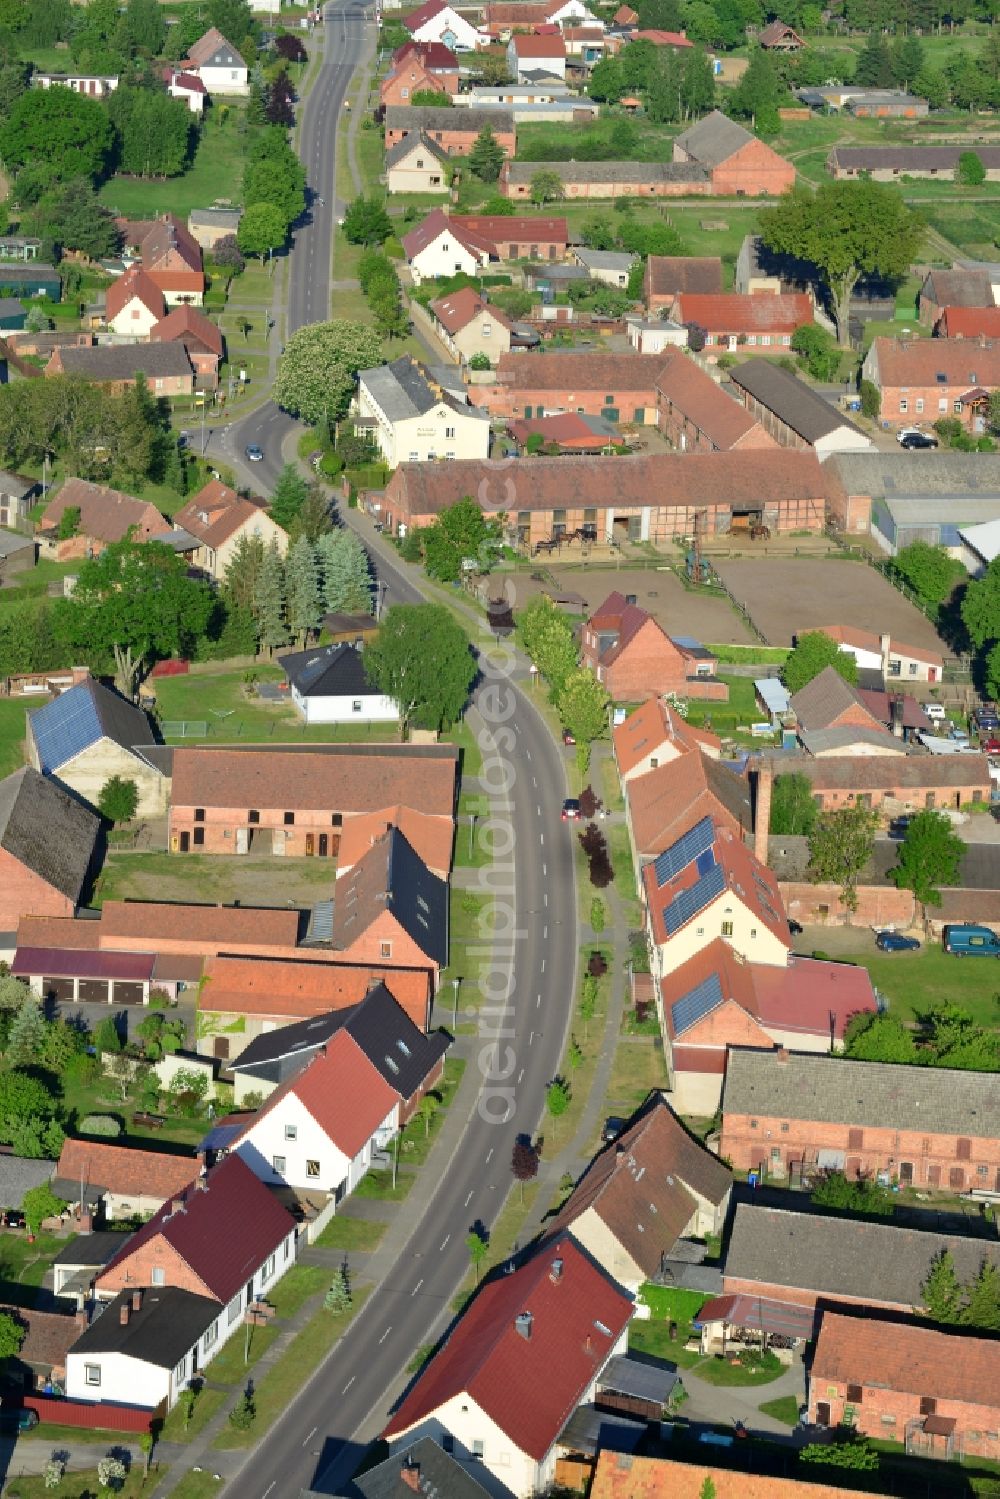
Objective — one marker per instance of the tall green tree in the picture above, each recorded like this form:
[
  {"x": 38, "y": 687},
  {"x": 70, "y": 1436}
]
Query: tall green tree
[
  {"x": 73, "y": 218},
  {"x": 793, "y": 811},
  {"x": 366, "y": 222},
  {"x": 421, "y": 659},
  {"x": 289, "y": 495},
  {"x": 879, "y": 1037},
  {"x": 155, "y": 132},
  {"x": 119, "y": 799},
  {"x": 548, "y": 640},
  {"x": 605, "y": 82},
  {"x": 583, "y": 706},
  {"x": 263, "y": 229},
  {"x": 840, "y": 846},
  {"x": 269, "y": 604},
  {"x": 929, "y": 571},
  {"x": 813, "y": 653},
  {"x": 243, "y": 573},
  {"x": 874, "y": 66},
  {"x": 929, "y": 856},
  {"x": 760, "y": 90},
  {"x": 545, "y": 187},
  {"x": 144, "y": 26},
  {"x": 346, "y": 570},
  {"x": 72, "y": 134},
  {"x": 846, "y": 229},
  {"x": 981, "y": 606},
  {"x": 305, "y": 606},
  {"x": 317, "y": 373},
  {"x": 982, "y": 1309},
  {"x": 486, "y": 157},
  {"x": 461, "y": 532},
  {"x": 942, "y": 1290},
  {"x": 27, "y": 1033},
  {"x": 12, "y": 1335}
]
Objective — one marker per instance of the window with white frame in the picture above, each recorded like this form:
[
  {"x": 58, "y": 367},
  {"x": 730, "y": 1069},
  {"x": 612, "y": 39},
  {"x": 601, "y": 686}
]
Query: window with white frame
[
  {"x": 211, "y": 1334},
  {"x": 267, "y": 1270},
  {"x": 92, "y": 1374},
  {"x": 181, "y": 1370},
  {"x": 159, "y": 1276},
  {"x": 234, "y": 1309},
  {"x": 904, "y": 404},
  {"x": 291, "y": 1131},
  {"x": 278, "y": 1164}
]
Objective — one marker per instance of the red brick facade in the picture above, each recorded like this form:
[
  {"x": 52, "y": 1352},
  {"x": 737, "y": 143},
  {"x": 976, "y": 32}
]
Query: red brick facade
[
  {"x": 137, "y": 1270},
  {"x": 878, "y": 905},
  {"x": 223, "y": 830},
  {"x": 648, "y": 665},
  {"x": 23, "y": 891},
  {"x": 754, "y": 171},
  {"x": 458, "y": 140},
  {"x": 410, "y": 78},
  {"x": 917, "y": 1158}
]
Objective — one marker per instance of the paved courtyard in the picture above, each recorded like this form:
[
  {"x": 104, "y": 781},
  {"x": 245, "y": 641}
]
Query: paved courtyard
[{"x": 795, "y": 594}]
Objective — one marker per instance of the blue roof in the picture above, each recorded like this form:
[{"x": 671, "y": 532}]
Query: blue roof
[
  {"x": 694, "y": 899},
  {"x": 699, "y": 1001},
  {"x": 680, "y": 854},
  {"x": 79, "y": 718}
]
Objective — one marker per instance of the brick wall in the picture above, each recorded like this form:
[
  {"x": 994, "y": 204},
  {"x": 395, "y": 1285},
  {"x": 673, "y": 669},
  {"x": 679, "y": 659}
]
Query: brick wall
[
  {"x": 137, "y": 1270},
  {"x": 754, "y": 171},
  {"x": 904, "y": 405},
  {"x": 878, "y": 905},
  {"x": 887, "y": 1414},
  {"x": 732, "y": 1285},
  {"x": 218, "y": 830},
  {"x": 508, "y": 401},
  {"x": 385, "y": 941},
  {"x": 937, "y": 1161},
  {"x": 22, "y": 892},
  {"x": 457, "y": 141}
]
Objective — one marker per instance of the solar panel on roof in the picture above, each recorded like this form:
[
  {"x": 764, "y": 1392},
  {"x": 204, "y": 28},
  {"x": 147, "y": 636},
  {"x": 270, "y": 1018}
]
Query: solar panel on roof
[
  {"x": 681, "y": 853},
  {"x": 693, "y": 900},
  {"x": 65, "y": 727},
  {"x": 704, "y": 861},
  {"x": 700, "y": 1001}
]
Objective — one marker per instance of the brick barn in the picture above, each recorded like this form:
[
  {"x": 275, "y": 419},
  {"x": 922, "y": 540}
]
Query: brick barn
[
  {"x": 454, "y": 130},
  {"x": 618, "y": 387},
  {"x": 48, "y": 846}
]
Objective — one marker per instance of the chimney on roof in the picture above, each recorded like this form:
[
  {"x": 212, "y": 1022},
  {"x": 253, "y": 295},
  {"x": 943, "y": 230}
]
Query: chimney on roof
[
  {"x": 884, "y": 643},
  {"x": 177, "y": 1206},
  {"x": 86, "y": 1222},
  {"x": 410, "y": 1475},
  {"x": 123, "y": 1312},
  {"x": 762, "y": 807},
  {"x": 80, "y": 1318},
  {"x": 782, "y": 1057},
  {"x": 522, "y": 1325},
  {"x": 137, "y": 1300},
  {"x": 896, "y": 714},
  {"x": 201, "y": 1182},
  {"x": 556, "y": 1271}
]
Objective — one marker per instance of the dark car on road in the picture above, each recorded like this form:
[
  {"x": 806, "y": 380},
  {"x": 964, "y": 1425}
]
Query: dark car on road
[
  {"x": 914, "y": 439},
  {"x": 899, "y": 827},
  {"x": 254, "y": 452},
  {"x": 896, "y": 942},
  {"x": 570, "y": 809}
]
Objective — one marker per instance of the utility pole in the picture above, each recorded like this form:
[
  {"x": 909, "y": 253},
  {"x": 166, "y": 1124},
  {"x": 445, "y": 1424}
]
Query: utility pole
[{"x": 455, "y": 983}]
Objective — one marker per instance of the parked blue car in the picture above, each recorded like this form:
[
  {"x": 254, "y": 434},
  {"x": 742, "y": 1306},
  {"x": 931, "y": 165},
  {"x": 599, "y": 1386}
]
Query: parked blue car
[{"x": 896, "y": 942}]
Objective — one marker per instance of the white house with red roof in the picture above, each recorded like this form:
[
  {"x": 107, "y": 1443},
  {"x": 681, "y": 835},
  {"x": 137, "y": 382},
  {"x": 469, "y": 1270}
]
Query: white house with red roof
[
  {"x": 529, "y": 1350},
  {"x": 708, "y": 884},
  {"x": 530, "y": 53},
  {"x": 435, "y": 21},
  {"x": 440, "y": 247},
  {"x": 217, "y": 517},
  {"x": 884, "y": 654},
  {"x": 187, "y": 86},
  {"x": 217, "y": 63},
  {"x": 134, "y": 303}
]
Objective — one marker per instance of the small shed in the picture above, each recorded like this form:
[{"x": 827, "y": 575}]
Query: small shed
[
  {"x": 13, "y": 315},
  {"x": 635, "y": 1389},
  {"x": 774, "y": 699}
]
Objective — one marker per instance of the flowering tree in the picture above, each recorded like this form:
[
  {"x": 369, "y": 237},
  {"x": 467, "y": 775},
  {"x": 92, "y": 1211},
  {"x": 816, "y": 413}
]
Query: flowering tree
[{"x": 318, "y": 368}]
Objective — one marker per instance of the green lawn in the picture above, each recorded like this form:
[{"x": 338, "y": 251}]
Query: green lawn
[
  {"x": 639, "y": 1066},
  {"x": 282, "y": 1382},
  {"x": 13, "y": 713},
  {"x": 82, "y": 1485},
  {"x": 294, "y": 1289},
  {"x": 719, "y": 1371},
  {"x": 230, "y": 1365},
  {"x": 215, "y": 172},
  {"x": 418, "y": 1138},
  {"x": 209, "y": 1401},
  {"x": 358, "y": 1234},
  {"x": 219, "y": 699},
  {"x": 914, "y": 982},
  {"x": 35, "y": 584},
  {"x": 378, "y": 1184},
  {"x": 196, "y": 1486},
  {"x": 784, "y": 1409},
  {"x": 23, "y": 1265},
  {"x": 667, "y": 1305}
]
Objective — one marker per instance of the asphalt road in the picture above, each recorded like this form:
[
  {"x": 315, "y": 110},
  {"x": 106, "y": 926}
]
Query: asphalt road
[
  {"x": 312, "y": 242},
  {"x": 326, "y": 1429}
]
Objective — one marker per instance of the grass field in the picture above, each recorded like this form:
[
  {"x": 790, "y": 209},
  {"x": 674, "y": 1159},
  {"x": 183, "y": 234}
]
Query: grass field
[
  {"x": 913, "y": 982},
  {"x": 13, "y": 717},
  {"x": 784, "y": 1409},
  {"x": 82, "y": 1485},
  {"x": 215, "y": 172},
  {"x": 23, "y": 1265},
  {"x": 219, "y": 699},
  {"x": 358, "y": 1234},
  {"x": 653, "y": 1336}
]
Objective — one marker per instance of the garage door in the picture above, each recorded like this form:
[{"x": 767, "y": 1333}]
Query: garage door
[
  {"x": 127, "y": 993},
  {"x": 57, "y": 988},
  {"x": 95, "y": 991}
]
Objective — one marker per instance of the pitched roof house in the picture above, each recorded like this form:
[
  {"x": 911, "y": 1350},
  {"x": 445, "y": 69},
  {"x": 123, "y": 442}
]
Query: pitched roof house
[
  {"x": 468, "y": 325},
  {"x": 665, "y": 803},
  {"x": 420, "y": 413},
  {"x": 524, "y": 1355},
  {"x": 430, "y": 836},
  {"x": 225, "y": 1237},
  {"x": 661, "y": 1478},
  {"x": 321, "y": 1128},
  {"x": 200, "y": 337},
  {"x": 731, "y": 320},
  {"x": 937, "y": 1129},
  {"x": 696, "y": 415},
  {"x": 778, "y": 36},
  {"x": 106, "y": 515},
  {"x": 143, "y": 1348},
  {"x": 218, "y": 64},
  {"x": 125, "y": 1181},
  {"x": 653, "y": 1185},
  {"x": 529, "y": 54},
  {"x": 654, "y": 734},
  {"x": 165, "y": 367},
  {"x": 792, "y": 412},
  {"x": 217, "y": 517},
  {"x": 805, "y": 1258},
  {"x": 133, "y": 303},
  {"x": 829, "y": 702},
  {"x": 937, "y": 1391},
  {"x": 632, "y": 655},
  {"x": 416, "y": 164},
  {"x": 436, "y": 21},
  {"x": 709, "y": 884},
  {"x": 389, "y": 908},
  {"x": 329, "y": 684},
  {"x": 424, "y": 1468},
  {"x": 737, "y": 162},
  {"x": 666, "y": 276},
  {"x": 934, "y": 377},
  {"x": 47, "y": 845},
  {"x": 889, "y": 657},
  {"x": 85, "y": 736}
]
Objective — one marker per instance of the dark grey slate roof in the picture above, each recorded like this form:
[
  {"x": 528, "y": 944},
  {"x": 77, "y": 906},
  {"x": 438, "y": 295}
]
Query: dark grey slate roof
[
  {"x": 403, "y": 389},
  {"x": 833, "y": 1090},
  {"x": 713, "y": 139},
  {"x": 168, "y": 1323},
  {"x": 47, "y": 831},
  {"x": 396, "y": 1047},
  {"x": 958, "y": 288},
  {"x": 439, "y": 1476},
  {"x": 910, "y": 475},
  {"x": 91, "y": 1249},
  {"x": 391, "y": 876},
  {"x": 18, "y": 1174},
  {"x": 875, "y": 1262},
  {"x": 627, "y": 1376},
  {"x": 911, "y": 158},
  {"x": 424, "y": 117},
  {"x": 590, "y": 1430},
  {"x": 328, "y": 671},
  {"x": 86, "y": 714},
  {"x": 402, "y": 149},
  {"x": 296, "y": 1042},
  {"x": 125, "y": 361},
  {"x": 19, "y": 485},
  {"x": 28, "y": 271},
  {"x": 791, "y": 400}
]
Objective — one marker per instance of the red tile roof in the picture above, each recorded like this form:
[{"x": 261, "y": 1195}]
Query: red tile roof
[
  {"x": 667, "y": 801},
  {"x": 669, "y": 274},
  {"x": 134, "y": 284},
  {"x": 693, "y": 394},
  {"x": 208, "y": 44},
  {"x": 962, "y": 361},
  {"x": 275, "y": 986},
  {"x": 970, "y": 322},
  {"x": 366, "y": 781},
  {"x": 105, "y": 514},
  {"x": 49, "y": 1336},
  {"x": 188, "y": 325},
  {"x": 732, "y": 312},
  {"x": 659, "y": 1478},
  {"x": 890, "y": 1356},
  {"x": 170, "y": 237},
  {"x": 751, "y": 882},
  {"x": 427, "y": 231},
  {"x": 538, "y": 46},
  {"x": 458, "y": 309},
  {"x": 434, "y": 56},
  {"x": 431, "y": 838},
  {"x": 664, "y": 38},
  {"x": 572, "y": 372},
  {"x": 214, "y": 521},
  {"x": 568, "y": 429},
  {"x": 811, "y": 996},
  {"x": 215, "y": 926},
  {"x": 423, "y": 13},
  {"x": 343, "y": 1091},
  {"x": 528, "y": 1386},
  {"x": 657, "y": 723},
  {"x": 867, "y": 640},
  {"x": 491, "y": 228},
  {"x": 224, "y": 1232},
  {"x": 126, "y": 1171}
]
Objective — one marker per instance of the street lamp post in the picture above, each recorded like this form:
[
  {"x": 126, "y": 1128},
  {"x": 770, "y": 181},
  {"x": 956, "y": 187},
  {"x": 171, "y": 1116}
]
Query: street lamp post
[
  {"x": 455, "y": 984},
  {"x": 473, "y": 818}
]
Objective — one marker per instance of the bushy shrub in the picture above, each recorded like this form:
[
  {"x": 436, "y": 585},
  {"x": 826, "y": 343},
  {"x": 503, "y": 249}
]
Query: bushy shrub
[{"x": 100, "y": 1124}]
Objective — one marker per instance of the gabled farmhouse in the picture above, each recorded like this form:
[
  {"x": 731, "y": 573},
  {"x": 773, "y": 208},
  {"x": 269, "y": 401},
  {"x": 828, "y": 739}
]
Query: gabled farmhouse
[
  {"x": 218, "y": 64},
  {"x": 47, "y": 848},
  {"x": 634, "y": 658},
  {"x": 528, "y": 1350},
  {"x": 651, "y": 1186},
  {"x": 655, "y": 734},
  {"x": 120, "y": 1181},
  {"x": 89, "y": 734},
  {"x": 106, "y": 515},
  {"x": 390, "y": 908},
  {"x": 217, "y": 517},
  {"x": 329, "y": 684},
  {"x": 134, "y": 303}
]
